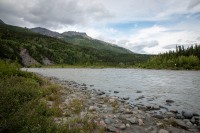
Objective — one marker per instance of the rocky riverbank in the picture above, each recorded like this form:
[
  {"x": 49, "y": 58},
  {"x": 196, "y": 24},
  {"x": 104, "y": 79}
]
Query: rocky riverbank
[{"x": 115, "y": 114}]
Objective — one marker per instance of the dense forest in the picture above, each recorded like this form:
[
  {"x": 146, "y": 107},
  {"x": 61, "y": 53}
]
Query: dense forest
[
  {"x": 13, "y": 39},
  {"x": 181, "y": 58}
]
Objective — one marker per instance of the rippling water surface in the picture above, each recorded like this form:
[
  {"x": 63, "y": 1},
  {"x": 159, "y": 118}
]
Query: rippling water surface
[{"x": 156, "y": 85}]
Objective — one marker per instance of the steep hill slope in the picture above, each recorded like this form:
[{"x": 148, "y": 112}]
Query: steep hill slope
[
  {"x": 82, "y": 39},
  {"x": 30, "y": 48}
]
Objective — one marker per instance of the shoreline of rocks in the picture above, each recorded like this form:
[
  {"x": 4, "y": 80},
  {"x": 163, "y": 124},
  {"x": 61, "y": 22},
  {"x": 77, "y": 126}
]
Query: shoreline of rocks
[{"x": 118, "y": 115}]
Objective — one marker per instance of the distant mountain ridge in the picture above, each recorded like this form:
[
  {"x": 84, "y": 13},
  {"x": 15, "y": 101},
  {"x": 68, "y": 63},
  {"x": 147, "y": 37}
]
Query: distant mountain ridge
[
  {"x": 74, "y": 33},
  {"x": 29, "y": 48},
  {"x": 45, "y": 32},
  {"x": 81, "y": 39},
  {"x": 1, "y": 22}
]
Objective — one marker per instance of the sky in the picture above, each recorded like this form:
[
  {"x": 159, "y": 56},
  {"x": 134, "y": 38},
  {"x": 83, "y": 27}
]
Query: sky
[{"x": 142, "y": 26}]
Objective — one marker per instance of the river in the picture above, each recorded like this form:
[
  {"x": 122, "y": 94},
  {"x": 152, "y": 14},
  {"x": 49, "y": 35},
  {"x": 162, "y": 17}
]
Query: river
[{"x": 156, "y": 86}]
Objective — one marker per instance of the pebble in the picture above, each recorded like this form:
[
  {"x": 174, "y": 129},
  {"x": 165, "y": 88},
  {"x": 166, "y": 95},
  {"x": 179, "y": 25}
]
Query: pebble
[
  {"x": 158, "y": 116},
  {"x": 189, "y": 124},
  {"x": 100, "y": 93},
  {"x": 127, "y": 125},
  {"x": 111, "y": 129},
  {"x": 170, "y": 114},
  {"x": 159, "y": 124},
  {"x": 140, "y": 97},
  {"x": 126, "y": 98},
  {"x": 128, "y": 111},
  {"x": 169, "y": 101},
  {"x": 92, "y": 108},
  {"x": 187, "y": 115},
  {"x": 180, "y": 123},
  {"x": 111, "y": 100},
  {"x": 163, "y": 131},
  {"x": 140, "y": 122},
  {"x": 116, "y": 91},
  {"x": 122, "y": 127},
  {"x": 132, "y": 120},
  {"x": 102, "y": 123},
  {"x": 138, "y": 91},
  {"x": 108, "y": 121}
]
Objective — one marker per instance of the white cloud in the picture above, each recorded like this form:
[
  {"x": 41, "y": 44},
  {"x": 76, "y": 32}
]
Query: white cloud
[{"x": 177, "y": 20}]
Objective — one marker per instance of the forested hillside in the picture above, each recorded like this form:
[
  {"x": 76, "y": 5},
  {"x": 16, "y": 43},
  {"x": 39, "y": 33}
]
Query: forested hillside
[
  {"x": 21, "y": 44},
  {"x": 82, "y": 39},
  {"x": 182, "y": 58}
]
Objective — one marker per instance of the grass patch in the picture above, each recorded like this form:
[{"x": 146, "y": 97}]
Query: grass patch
[{"x": 24, "y": 108}]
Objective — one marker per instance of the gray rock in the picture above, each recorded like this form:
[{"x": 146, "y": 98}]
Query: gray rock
[
  {"x": 169, "y": 101},
  {"x": 126, "y": 98},
  {"x": 179, "y": 116},
  {"x": 132, "y": 120},
  {"x": 127, "y": 125},
  {"x": 189, "y": 124},
  {"x": 122, "y": 127},
  {"x": 155, "y": 107},
  {"x": 195, "y": 114},
  {"x": 174, "y": 111},
  {"x": 159, "y": 124},
  {"x": 138, "y": 91},
  {"x": 169, "y": 114},
  {"x": 158, "y": 116},
  {"x": 108, "y": 121},
  {"x": 116, "y": 91},
  {"x": 111, "y": 129},
  {"x": 100, "y": 93},
  {"x": 83, "y": 84},
  {"x": 187, "y": 115},
  {"x": 128, "y": 111},
  {"x": 92, "y": 108},
  {"x": 163, "y": 131},
  {"x": 180, "y": 123},
  {"x": 140, "y": 97},
  {"x": 140, "y": 122},
  {"x": 192, "y": 120}
]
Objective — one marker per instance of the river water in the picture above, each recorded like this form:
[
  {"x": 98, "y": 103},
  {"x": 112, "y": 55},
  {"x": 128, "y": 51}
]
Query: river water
[{"x": 156, "y": 86}]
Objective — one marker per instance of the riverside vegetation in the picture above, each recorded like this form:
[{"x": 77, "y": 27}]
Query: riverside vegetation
[
  {"x": 24, "y": 99},
  {"x": 31, "y": 103},
  {"x": 180, "y": 59}
]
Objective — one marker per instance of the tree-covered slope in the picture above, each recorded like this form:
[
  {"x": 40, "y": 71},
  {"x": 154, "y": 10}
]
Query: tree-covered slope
[
  {"x": 82, "y": 39},
  {"x": 17, "y": 41},
  {"x": 180, "y": 59}
]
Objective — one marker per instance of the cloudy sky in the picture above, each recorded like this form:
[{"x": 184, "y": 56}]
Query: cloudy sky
[{"x": 143, "y": 26}]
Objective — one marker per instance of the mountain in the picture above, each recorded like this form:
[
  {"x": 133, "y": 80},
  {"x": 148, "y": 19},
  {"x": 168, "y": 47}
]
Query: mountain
[
  {"x": 1, "y": 22},
  {"x": 82, "y": 39},
  {"x": 44, "y": 31},
  {"x": 74, "y": 33},
  {"x": 30, "y": 48}
]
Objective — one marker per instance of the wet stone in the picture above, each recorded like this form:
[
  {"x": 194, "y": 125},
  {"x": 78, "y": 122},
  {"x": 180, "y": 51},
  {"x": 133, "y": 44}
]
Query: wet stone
[
  {"x": 108, "y": 121},
  {"x": 140, "y": 122},
  {"x": 158, "y": 116},
  {"x": 111, "y": 129},
  {"x": 187, "y": 115},
  {"x": 132, "y": 120},
  {"x": 138, "y": 91},
  {"x": 116, "y": 91},
  {"x": 140, "y": 97},
  {"x": 169, "y": 101},
  {"x": 126, "y": 98},
  {"x": 122, "y": 127},
  {"x": 163, "y": 131}
]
